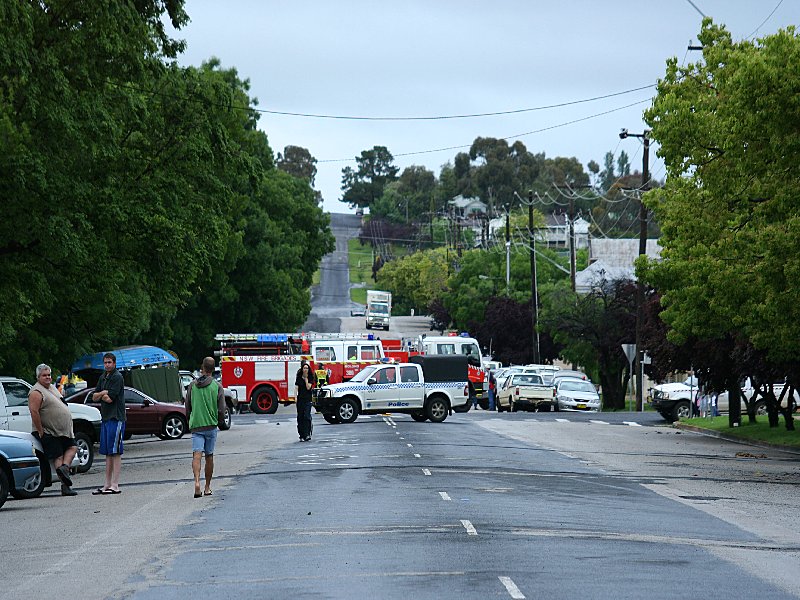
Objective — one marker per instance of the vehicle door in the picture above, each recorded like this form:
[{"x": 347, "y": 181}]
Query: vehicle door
[
  {"x": 139, "y": 418},
  {"x": 504, "y": 392},
  {"x": 411, "y": 390},
  {"x": 3, "y": 411},
  {"x": 18, "y": 415},
  {"x": 385, "y": 388}
]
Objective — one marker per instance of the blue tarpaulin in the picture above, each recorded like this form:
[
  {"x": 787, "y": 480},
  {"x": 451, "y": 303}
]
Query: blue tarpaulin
[{"x": 128, "y": 357}]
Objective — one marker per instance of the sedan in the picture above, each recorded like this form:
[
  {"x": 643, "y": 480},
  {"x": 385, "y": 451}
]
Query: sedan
[
  {"x": 144, "y": 415},
  {"x": 19, "y": 465},
  {"x": 576, "y": 394}
]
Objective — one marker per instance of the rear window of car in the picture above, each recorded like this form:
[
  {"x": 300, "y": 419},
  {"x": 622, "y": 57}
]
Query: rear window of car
[
  {"x": 576, "y": 386},
  {"x": 529, "y": 379},
  {"x": 409, "y": 374}
]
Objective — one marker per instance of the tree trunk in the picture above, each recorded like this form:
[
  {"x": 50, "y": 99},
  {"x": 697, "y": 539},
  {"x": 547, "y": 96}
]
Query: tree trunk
[
  {"x": 734, "y": 403},
  {"x": 788, "y": 393}
]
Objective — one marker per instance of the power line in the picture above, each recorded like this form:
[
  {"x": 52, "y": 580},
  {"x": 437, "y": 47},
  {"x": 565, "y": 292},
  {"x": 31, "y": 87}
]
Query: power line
[{"x": 765, "y": 20}]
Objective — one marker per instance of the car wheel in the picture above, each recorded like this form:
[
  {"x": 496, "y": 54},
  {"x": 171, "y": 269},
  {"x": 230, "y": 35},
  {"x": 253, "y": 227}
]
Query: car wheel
[
  {"x": 681, "y": 410},
  {"x": 760, "y": 408},
  {"x": 511, "y": 406},
  {"x": 436, "y": 410},
  {"x": 347, "y": 411},
  {"x": 419, "y": 417},
  {"x": 331, "y": 418},
  {"x": 35, "y": 486},
  {"x": 3, "y": 487},
  {"x": 463, "y": 408},
  {"x": 227, "y": 421},
  {"x": 667, "y": 416},
  {"x": 545, "y": 407},
  {"x": 263, "y": 401},
  {"x": 556, "y": 407},
  {"x": 85, "y": 451},
  {"x": 173, "y": 427}
]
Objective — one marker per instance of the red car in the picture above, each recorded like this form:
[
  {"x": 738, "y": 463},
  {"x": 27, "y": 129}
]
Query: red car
[{"x": 144, "y": 415}]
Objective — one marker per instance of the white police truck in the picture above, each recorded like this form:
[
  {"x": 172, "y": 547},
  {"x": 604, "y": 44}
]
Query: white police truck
[{"x": 427, "y": 388}]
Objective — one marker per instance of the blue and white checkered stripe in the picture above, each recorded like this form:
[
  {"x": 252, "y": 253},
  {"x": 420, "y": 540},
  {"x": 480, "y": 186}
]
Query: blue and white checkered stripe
[{"x": 398, "y": 386}]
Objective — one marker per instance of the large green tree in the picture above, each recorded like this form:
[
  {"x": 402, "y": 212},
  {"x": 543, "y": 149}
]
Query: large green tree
[{"x": 365, "y": 184}]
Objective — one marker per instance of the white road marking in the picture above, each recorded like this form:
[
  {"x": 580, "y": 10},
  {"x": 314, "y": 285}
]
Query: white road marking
[
  {"x": 632, "y": 423},
  {"x": 562, "y": 420},
  {"x": 409, "y": 445},
  {"x": 417, "y": 456},
  {"x": 469, "y": 527},
  {"x": 445, "y": 496},
  {"x": 511, "y": 588},
  {"x": 598, "y": 422},
  {"x": 426, "y": 472}
]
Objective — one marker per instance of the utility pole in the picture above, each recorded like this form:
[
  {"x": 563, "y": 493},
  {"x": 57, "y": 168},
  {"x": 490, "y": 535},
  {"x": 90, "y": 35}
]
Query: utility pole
[
  {"x": 508, "y": 254},
  {"x": 534, "y": 291},
  {"x": 642, "y": 251},
  {"x": 572, "y": 266}
]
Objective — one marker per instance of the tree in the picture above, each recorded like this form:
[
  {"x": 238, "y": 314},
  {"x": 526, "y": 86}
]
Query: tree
[
  {"x": 298, "y": 162},
  {"x": 728, "y": 210},
  {"x": 365, "y": 185}
]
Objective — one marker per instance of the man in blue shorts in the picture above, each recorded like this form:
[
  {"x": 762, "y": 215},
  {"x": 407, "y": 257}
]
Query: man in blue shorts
[
  {"x": 205, "y": 408},
  {"x": 110, "y": 393}
]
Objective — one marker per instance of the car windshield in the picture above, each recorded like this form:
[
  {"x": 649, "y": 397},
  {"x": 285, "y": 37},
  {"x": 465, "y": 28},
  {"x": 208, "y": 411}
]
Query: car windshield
[
  {"x": 576, "y": 386},
  {"x": 380, "y": 308},
  {"x": 364, "y": 373},
  {"x": 529, "y": 379}
]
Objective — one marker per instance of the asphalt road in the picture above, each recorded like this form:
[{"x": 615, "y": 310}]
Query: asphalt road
[{"x": 484, "y": 505}]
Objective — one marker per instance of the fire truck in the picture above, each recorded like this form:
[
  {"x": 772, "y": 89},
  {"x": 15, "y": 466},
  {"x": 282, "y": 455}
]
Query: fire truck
[{"x": 261, "y": 367}]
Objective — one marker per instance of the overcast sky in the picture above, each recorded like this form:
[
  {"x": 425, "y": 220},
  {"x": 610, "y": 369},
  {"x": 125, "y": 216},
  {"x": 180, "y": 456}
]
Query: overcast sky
[{"x": 441, "y": 57}]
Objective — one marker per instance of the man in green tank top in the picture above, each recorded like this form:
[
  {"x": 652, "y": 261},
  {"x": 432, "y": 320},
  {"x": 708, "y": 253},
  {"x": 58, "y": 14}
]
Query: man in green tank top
[{"x": 205, "y": 408}]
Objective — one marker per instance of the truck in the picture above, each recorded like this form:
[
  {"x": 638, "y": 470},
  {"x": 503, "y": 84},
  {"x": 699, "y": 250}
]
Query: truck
[
  {"x": 427, "y": 387},
  {"x": 379, "y": 309},
  {"x": 457, "y": 344},
  {"x": 525, "y": 390},
  {"x": 260, "y": 368}
]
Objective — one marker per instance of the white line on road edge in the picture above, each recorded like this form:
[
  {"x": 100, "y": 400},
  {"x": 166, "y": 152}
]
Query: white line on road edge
[
  {"x": 511, "y": 587},
  {"x": 417, "y": 456},
  {"x": 426, "y": 472},
  {"x": 469, "y": 527},
  {"x": 632, "y": 423},
  {"x": 445, "y": 496},
  {"x": 598, "y": 422},
  {"x": 562, "y": 420}
]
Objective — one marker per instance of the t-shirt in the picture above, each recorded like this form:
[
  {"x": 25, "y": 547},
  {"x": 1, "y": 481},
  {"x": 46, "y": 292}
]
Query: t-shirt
[
  {"x": 302, "y": 392},
  {"x": 55, "y": 415},
  {"x": 112, "y": 382}
]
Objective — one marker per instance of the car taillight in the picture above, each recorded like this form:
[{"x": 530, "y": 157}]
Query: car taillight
[
  {"x": 466, "y": 390},
  {"x": 517, "y": 391},
  {"x": 554, "y": 392}
]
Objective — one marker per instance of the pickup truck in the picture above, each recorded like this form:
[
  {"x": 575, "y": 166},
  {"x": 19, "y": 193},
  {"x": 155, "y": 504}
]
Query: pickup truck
[
  {"x": 525, "y": 390},
  {"x": 16, "y": 416},
  {"x": 427, "y": 388}
]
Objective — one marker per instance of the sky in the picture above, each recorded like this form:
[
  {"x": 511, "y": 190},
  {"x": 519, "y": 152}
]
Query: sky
[{"x": 435, "y": 58}]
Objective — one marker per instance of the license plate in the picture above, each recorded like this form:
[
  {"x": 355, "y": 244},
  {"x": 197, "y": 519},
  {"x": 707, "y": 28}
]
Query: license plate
[{"x": 581, "y": 406}]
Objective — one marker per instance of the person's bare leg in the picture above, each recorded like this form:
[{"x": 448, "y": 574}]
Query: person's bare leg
[
  {"x": 196, "y": 471},
  {"x": 66, "y": 459},
  {"x": 109, "y": 471},
  {"x": 116, "y": 467},
  {"x": 209, "y": 473}
]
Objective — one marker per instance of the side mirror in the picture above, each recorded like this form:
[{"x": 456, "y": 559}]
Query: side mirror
[
  {"x": 146, "y": 402},
  {"x": 372, "y": 381}
]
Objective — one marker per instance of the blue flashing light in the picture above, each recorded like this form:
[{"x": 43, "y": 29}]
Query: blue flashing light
[
  {"x": 464, "y": 334},
  {"x": 271, "y": 338},
  {"x": 370, "y": 336}
]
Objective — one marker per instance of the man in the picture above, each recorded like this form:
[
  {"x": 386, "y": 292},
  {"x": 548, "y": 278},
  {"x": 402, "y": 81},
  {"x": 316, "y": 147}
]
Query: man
[
  {"x": 205, "y": 408},
  {"x": 52, "y": 424},
  {"x": 304, "y": 382},
  {"x": 492, "y": 389},
  {"x": 110, "y": 393}
]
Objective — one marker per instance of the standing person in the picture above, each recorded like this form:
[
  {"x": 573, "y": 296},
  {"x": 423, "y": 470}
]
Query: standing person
[
  {"x": 110, "y": 393},
  {"x": 492, "y": 389},
  {"x": 52, "y": 424},
  {"x": 304, "y": 381},
  {"x": 205, "y": 408}
]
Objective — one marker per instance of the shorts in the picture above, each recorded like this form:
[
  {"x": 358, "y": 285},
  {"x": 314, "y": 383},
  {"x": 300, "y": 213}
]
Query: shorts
[
  {"x": 56, "y": 446},
  {"x": 204, "y": 441},
  {"x": 111, "y": 433}
]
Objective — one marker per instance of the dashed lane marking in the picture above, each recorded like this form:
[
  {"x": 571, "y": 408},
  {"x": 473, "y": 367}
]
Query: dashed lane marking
[
  {"x": 598, "y": 422},
  {"x": 632, "y": 423},
  {"x": 562, "y": 420},
  {"x": 511, "y": 587},
  {"x": 409, "y": 445},
  {"x": 417, "y": 456},
  {"x": 426, "y": 472},
  {"x": 445, "y": 496},
  {"x": 469, "y": 527}
]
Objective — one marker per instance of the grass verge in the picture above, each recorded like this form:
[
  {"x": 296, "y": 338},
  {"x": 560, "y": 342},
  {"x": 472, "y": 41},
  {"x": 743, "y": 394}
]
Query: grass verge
[
  {"x": 757, "y": 432},
  {"x": 358, "y": 295},
  {"x": 359, "y": 259}
]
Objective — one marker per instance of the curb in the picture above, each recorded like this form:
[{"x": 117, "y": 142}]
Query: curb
[{"x": 736, "y": 440}]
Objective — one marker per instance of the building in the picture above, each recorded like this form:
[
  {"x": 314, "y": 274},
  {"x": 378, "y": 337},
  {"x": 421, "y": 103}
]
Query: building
[
  {"x": 612, "y": 260},
  {"x": 556, "y": 234},
  {"x": 466, "y": 208}
]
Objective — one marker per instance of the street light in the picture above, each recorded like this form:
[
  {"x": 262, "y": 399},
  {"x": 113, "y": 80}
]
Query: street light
[{"x": 645, "y": 137}]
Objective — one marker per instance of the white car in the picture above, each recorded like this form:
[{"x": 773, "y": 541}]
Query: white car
[{"x": 575, "y": 394}]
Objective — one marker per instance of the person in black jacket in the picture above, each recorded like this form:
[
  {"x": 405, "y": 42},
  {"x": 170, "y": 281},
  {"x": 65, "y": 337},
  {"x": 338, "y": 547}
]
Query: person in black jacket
[{"x": 305, "y": 381}]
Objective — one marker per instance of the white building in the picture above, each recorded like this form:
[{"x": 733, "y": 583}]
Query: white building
[{"x": 612, "y": 260}]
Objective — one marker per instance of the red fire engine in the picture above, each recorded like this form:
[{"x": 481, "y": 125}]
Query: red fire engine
[{"x": 261, "y": 367}]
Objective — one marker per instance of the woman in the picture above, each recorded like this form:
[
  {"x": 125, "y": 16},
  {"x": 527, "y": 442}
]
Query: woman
[{"x": 305, "y": 382}]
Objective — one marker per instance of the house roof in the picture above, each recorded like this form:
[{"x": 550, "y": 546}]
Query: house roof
[
  {"x": 620, "y": 252},
  {"x": 461, "y": 202}
]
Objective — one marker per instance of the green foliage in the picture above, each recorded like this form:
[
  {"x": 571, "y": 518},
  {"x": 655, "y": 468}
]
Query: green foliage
[
  {"x": 415, "y": 280},
  {"x": 363, "y": 186},
  {"x": 728, "y": 211}
]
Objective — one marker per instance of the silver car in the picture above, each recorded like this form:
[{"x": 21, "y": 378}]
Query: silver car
[{"x": 575, "y": 394}]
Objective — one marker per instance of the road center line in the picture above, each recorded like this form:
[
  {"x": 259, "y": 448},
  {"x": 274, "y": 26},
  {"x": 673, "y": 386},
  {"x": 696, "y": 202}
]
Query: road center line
[
  {"x": 445, "y": 496},
  {"x": 562, "y": 420},
  {"x": 598, "y": 422},
  {"x": 469, "y": 527},
  {"x": 632, "y": 423},
  {"x": 417, "y": 456},
  {"x": 511, "y": 587},
  {"x": 409, "y": 445},
  {"x": 426, "y": 472}
]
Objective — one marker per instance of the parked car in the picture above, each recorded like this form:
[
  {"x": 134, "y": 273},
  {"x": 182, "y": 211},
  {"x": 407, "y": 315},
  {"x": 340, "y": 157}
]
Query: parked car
[
  {"x": 187, "y": 377},
  {"x": 358, "y": 312},
  {"x": 144, "y": 415},
  {"x": 573, "y": 393},
  {"x": 19, "y": 465},
  {"x": 526, "y": 390},
  {"x": 34, "y": 486},
  {"x": 570, "y": 373},
  {"x": 16, "y": 416}
]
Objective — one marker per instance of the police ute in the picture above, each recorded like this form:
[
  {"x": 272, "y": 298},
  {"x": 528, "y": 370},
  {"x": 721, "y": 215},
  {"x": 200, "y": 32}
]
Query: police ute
[{"x": 426, "y": 387}]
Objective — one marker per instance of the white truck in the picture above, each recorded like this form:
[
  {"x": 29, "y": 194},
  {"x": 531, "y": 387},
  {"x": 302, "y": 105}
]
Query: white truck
[
  {"x": 427, "y": 388},
  {"x": 379, "y": 309}
]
